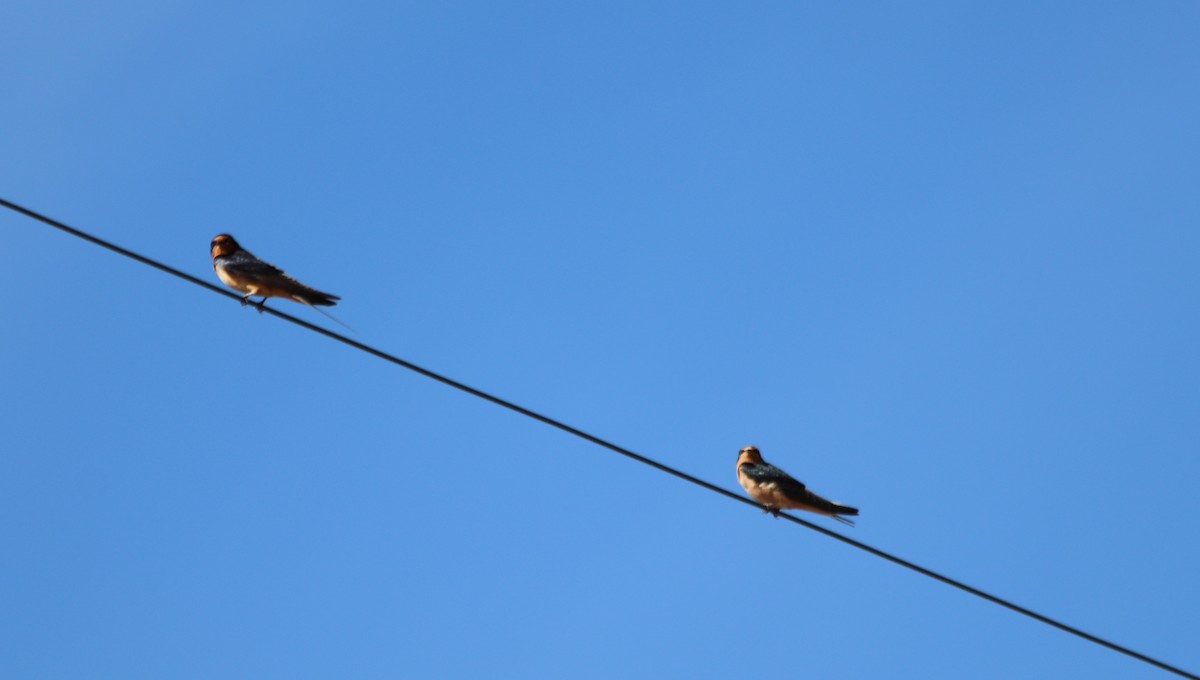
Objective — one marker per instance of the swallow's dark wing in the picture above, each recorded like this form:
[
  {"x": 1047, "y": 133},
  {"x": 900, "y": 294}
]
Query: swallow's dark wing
[{"x": 244, "y": 264}]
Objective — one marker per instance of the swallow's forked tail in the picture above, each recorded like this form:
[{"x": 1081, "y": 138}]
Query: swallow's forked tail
[
  {"x": 315, "y": 297},
  {"x": 297, "y": 298},
  {"x": 837, "y": 510}
]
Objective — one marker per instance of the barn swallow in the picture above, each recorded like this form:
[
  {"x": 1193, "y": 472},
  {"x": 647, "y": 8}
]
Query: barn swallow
[
  {"x": 776, "y": 489},
  {"x": 243, "y": 272}
]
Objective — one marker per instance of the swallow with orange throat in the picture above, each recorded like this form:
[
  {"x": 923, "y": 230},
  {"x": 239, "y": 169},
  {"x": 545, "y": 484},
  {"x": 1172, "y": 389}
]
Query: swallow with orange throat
[
  {"x": 243, "y": 272},
  {"x": 777, "y": 490}
]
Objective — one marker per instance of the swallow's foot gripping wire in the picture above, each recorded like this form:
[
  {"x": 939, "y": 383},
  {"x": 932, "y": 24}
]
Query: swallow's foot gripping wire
[{"x": 260, "y": 305}]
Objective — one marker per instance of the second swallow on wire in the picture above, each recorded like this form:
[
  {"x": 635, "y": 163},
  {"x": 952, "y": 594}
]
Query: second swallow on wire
[
  {"x": 245, "y": 273},
  {"x": 776, "y": 489}
]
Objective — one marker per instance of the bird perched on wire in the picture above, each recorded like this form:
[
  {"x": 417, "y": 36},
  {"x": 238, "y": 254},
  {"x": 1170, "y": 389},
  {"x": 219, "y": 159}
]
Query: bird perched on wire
[
  {"x": 777, "y": 490},
  {"x": 243, "y": 272}
]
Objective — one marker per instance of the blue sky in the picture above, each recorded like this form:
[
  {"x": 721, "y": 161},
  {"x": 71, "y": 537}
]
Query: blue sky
[{"x": 936, "y": 260}]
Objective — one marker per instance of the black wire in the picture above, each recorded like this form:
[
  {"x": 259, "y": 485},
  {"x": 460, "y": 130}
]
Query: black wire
[{"x": 606, "y": 444}]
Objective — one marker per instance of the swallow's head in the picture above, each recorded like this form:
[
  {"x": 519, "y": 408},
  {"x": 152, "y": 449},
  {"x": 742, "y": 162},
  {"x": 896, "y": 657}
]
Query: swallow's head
[
  {"x": 749, "y": 454},
  {"x": 223, "y": 244}
]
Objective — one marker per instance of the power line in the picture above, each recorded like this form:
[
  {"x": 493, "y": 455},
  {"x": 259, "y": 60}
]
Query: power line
[{"x": 604, "y": 443}]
